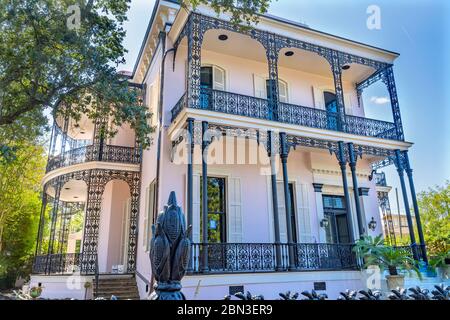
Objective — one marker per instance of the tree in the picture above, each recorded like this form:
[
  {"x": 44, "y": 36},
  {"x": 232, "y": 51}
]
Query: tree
[
  {"x": 56, "y": 53},
  {"x": 242, "y": 11},
  {"x": 20, "y": 207},
  {"x": 434, "y": 207}
]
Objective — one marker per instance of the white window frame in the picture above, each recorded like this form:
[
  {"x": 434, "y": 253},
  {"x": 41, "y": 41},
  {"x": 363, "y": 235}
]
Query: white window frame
[
  {"x": 225, "y": 74},
  {"x": 266, "y": 78}
]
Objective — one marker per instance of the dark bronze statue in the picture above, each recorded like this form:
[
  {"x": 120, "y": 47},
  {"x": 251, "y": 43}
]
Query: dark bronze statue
[{"x": 169, "y": 252}]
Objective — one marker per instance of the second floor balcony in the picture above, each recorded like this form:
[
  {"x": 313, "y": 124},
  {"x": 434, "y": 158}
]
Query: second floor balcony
[
  {"x": 106, "y": 153},
  {"x": 76, "y": 142},
  {"x": 284, "y": 77},
  {"x": 248, "y": 106}
]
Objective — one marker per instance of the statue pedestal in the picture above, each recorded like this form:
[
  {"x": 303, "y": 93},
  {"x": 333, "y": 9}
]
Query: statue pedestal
[{"x": 168, "y": 291}]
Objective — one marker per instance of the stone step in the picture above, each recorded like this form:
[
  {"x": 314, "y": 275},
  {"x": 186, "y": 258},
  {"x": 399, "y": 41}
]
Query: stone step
[
  {"x": 122, "y": 286},
  {"x": 117, "y": 285}
]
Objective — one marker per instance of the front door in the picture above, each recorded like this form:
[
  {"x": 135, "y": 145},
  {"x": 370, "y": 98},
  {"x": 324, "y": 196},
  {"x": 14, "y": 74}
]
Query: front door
[
  {"x": 216, "y": 224},
  {"x": 336, "y": 213}
]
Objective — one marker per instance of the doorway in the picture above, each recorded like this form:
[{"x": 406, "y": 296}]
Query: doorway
[
  {"x": 335, "y": 212},
  {"x": 332, "y": 111},
  {"x": 217, "y": 207}
]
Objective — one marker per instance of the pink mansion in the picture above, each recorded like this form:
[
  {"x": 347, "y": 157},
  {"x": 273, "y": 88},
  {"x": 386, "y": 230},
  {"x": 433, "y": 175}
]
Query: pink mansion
[{"x": 271, "y": 122}]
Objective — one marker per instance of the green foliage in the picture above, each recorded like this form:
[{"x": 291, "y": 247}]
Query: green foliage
[
  {"x": 434, "y": 207},
  {"x": 440, "y": 260},
  {"x": 373, "y": 251},
  {"x": 20, "y": 207},
  {"x": 44, "y": 64},
  {"x": 243, "y": 11}
]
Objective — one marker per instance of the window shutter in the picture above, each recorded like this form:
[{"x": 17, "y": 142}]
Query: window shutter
[
  {"x": 319, "y": 101},
  {"x": 235, "y": 214},
  {"x": 348, "y": 104},
  {"x": 260, "y": 87},
  {"x": 196, "y": 207},
  {"x": 303, "y": 214},
  {"x": 283, "y": 88},
  {"x": 281, "y": 212},
  {"x": 218, "y": 79}
]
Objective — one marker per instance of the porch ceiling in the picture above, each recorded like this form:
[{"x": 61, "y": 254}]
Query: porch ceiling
[
  {"x": 72, "y": 191},
  {"x": 242, "y": 46}
]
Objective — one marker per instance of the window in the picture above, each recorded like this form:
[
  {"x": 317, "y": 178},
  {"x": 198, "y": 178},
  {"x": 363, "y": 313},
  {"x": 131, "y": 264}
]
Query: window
[
  {"x": 150, "y": 209},
  {"x": 262, "y": 88},
  {"x": 331, "y": 108},
  {"x": 216, "y": 210},
  {"x": 212, "y": 77},
  {"x": 282, "y": 88}
]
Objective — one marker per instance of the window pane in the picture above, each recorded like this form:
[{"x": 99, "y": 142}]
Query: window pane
[
  {"x": 206, "y": 80},
  {"x": 216, "y": 210}
]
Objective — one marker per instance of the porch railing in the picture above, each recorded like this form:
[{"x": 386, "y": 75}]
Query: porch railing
[
  {"x": 261, "y": 257},
  {"x": 242, "y": 105},
  {"x": 107, "y": 153},
  {"x": 57, "y": 264}
]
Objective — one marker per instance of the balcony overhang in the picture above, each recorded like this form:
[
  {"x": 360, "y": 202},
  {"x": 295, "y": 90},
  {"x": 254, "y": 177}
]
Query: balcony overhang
[{"x": 94, "y": 165}]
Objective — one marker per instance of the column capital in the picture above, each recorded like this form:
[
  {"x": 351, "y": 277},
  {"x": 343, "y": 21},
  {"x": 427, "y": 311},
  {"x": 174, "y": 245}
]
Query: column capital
[
  {"x": 363, "y": 192},
  {"x": 318, "y": 187},
  {"x": 284, "y": 154}
]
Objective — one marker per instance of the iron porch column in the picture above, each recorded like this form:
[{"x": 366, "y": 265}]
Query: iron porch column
[
  {"x": 352, "y": 163},
  {"x": 190, "y": 183},
  {"x": 343, "y": 164},
  {"x": 273, "y": 94},
  {"x": 400, "y": 169},
  {"x": 336, "y": 68},
  {"x": 409, "y": 173},
  {"x": 287, "y": 199},
  {"x": 276, "y": 219},
  {"x": 389, "y": 80},
  {"x": 190, "y": 172},
  {"x": 205, "y": 267}
]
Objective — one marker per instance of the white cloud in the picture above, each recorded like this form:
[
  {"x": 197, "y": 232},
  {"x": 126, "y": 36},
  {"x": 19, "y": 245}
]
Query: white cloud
[{"x": 380, "y": 100}]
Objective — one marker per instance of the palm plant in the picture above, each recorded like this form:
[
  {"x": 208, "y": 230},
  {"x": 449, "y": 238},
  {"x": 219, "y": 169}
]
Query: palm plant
[{"x": 373, "y": 251}]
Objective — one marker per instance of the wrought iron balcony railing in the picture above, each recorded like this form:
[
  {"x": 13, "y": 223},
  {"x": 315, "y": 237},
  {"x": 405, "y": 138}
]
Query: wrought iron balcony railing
[
  {"x": 237, "y": 104},
  {"x": 107, "y": 153},
  {"x": 68, "y": 263},
  {"x": 261, "y": 257}
]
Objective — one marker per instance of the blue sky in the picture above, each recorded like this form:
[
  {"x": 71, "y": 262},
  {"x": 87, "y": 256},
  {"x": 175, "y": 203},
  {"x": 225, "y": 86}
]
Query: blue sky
[{"x": 418, "y": 29}]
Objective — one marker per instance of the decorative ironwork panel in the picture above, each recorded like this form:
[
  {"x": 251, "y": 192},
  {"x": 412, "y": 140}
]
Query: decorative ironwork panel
[
  {"x": 319, "y": 256},
  {"x": 260, "y": 257},
  {"x": 238, "y": 257},
  {"x": 181, "y": 104},
  {"x": 303, "y": 116},
  {"x": 336, "y": 68},
  {"x": 109, "y": 153},
  {"x": 371, "y": 128},
  {"x": 390, "y": 83},
  {"x": 97, "y": 182},
  {"x": 57, "y": 264}
]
